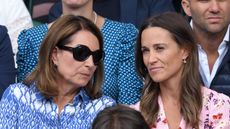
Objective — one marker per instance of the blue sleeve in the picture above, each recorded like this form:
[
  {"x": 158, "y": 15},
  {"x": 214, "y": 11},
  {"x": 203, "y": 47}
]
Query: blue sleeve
[
  {"x": 107, "y": 102},
  {"x": 8, "y": 110},
  {"x": 22, "y": 55},
  {"x": 130, "y": 85},
  {"x": 7, "y": 66},
  {"x": 29, "y": 42}
]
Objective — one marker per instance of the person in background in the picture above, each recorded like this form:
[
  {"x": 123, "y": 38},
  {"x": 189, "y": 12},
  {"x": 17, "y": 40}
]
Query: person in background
[
  {"x": 64, "y": 89},
  {"x": 15, "y": 16},
  {"x": 128, "y": 11},
  {"x": 7, "y": 68},
  {"x": 121, "y": 80},
  {"x": 119, "y": 117},
  {"x": 173, "y": 97},
  {"x": 210, "y": 23}
]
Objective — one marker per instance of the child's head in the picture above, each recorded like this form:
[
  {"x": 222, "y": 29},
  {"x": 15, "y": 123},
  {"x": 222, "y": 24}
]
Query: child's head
[{"x": 119, "y": 117}]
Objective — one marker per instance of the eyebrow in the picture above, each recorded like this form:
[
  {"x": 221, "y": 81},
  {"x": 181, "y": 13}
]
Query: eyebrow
[{"x": 156, "y": 44}]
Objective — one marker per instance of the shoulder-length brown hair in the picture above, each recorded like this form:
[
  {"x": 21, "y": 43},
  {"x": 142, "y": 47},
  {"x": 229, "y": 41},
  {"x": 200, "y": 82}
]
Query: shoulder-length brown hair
[
  {"x": 45, "y": 74},
  {"x": 190, "y": 97}
]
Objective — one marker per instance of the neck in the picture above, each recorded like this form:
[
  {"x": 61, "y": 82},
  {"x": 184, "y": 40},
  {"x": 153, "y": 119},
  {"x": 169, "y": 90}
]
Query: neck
[
  {"x": 62, "y": 100},
  {"x": 65, "y": 95},
  {"x": 85, "y": 11},
  {"x": 209, "y": 41},
  {"x": 170, "y": 89},
  {"x": 68, "y": 91},
  {"x": 170, "y": 93}
]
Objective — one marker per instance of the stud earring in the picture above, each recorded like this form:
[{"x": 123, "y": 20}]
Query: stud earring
[{"x": 184, "y": 61}]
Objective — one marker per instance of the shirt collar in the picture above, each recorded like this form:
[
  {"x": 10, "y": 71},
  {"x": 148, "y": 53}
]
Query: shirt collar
[
  {"x": 191, "y": 24},
  {"x": 226, "y": 37},
  {"x": 38, "y": 94},
  {"x": 81, "y": 96}
]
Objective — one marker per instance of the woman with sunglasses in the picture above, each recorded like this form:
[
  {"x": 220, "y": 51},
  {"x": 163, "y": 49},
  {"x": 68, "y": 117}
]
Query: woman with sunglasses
[
  {"x": 64, "y": 89},
  {"x": 121, "y": 80},
  {"x": 173, "y": 96}
]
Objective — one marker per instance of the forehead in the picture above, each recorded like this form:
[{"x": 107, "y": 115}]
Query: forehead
[
  {"x": 86, "y": 38},
  {"x": 208, "y": 1},
  {"x": 156, "y": 35}
]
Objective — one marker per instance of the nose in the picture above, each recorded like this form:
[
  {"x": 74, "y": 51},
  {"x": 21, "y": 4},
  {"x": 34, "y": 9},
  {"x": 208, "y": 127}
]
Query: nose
[
  {"x": 214, "y": 7},
  {"x": 89, "y": 62},
  {"x": 153, "y": 58}
]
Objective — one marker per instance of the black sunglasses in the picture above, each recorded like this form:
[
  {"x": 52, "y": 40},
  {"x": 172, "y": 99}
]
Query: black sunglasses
[{"x": 82, "y": 53}]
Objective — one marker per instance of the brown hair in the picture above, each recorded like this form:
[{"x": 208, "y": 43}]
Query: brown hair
[
  {"x": 119, "y": 117},
  {"x": 190, "y": 97},
  {"x": 45, "y": 75}
]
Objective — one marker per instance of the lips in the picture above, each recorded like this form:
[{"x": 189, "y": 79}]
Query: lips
[
  {"x": 154, "y": 69},
  {"x": 214, "y": 19},
  {"x": 85, "y": 74}
]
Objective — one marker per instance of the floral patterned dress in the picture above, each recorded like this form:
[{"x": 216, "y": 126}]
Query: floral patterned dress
[{"x": 215, "y": 112}]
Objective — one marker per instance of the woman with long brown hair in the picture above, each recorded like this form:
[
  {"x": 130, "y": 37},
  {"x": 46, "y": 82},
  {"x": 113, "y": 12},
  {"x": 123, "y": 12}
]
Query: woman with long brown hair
[{"x": 173, "y": 97}]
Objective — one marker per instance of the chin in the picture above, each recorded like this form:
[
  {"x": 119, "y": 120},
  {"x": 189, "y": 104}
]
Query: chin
[
  {"x": 157, "y": 79},
  {"x": 79, "y": 83},
  {"x": 82, "y": 84},
  {"x": 215, "y": 29}
]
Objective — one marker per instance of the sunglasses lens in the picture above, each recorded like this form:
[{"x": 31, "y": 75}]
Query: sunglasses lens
[
  {"x": 97, "y": 56},
  {"x": 81, "y": 53}
]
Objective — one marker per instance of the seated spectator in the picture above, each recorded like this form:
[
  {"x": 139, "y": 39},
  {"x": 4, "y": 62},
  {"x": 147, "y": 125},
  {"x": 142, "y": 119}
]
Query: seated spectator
[
  {"x": 128, "y": 11},
  {"x": 211, "y": 26},
  {"x": 173, "y": 97},
  {"x": 119, "y": 117},
  {"x": 121, "y": 80},
  {"x": 7, "y": 68},
  {"x": 15, "y": 16},
  {"x": 56, "y": 95}
]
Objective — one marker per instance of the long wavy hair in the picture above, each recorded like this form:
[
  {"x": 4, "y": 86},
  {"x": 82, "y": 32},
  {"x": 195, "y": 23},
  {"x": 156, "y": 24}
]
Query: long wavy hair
[
  {"x": 191, "y": 96},
  {"x": 45, "y": 75}
]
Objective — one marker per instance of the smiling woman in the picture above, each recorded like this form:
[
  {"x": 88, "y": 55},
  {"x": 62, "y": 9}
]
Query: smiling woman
[
  {"x": 158, "y": 53},
  {"x": 65, "y": 86},
  {"x": 173, "y": 97}
]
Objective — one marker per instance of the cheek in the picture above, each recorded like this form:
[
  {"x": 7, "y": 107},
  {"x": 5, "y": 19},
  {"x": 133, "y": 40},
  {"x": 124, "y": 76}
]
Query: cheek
[
  {"x": 145, "y": 59},
  {"x": 93, "y": 71},
  {"x": 68, "y": 65},
  {"x": 68, "y": 68},
  {"x": 174, "y": 62}
]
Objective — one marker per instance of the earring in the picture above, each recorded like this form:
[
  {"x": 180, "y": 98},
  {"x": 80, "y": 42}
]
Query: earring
[{"x": 184, "y": 61}]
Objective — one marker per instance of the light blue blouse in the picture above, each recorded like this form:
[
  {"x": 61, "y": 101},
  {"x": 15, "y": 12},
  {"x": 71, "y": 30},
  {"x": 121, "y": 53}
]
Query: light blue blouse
[
  {"x": 25, "y": 107},
  {"x": 121, "y": 80}
]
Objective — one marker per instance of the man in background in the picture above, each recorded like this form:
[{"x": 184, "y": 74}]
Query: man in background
[{"x": 210, "y": 22}]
